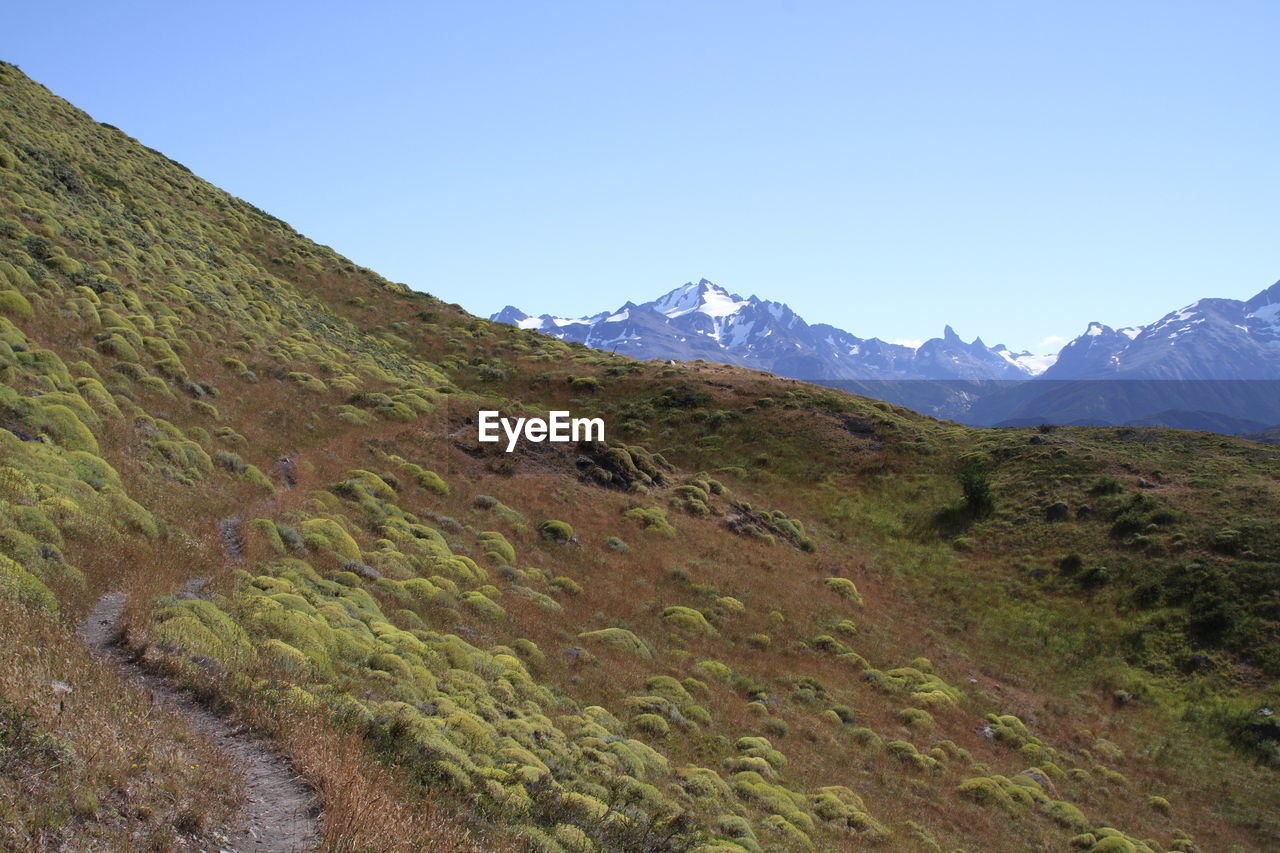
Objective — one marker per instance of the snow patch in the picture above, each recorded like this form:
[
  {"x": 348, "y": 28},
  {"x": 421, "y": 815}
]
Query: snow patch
[
  {"x": 717, "y": 303},
  {"x": 1269, "y": 314},
  {"x": 1036, "y": 364},
  {"x": 1032, "y": 365}
]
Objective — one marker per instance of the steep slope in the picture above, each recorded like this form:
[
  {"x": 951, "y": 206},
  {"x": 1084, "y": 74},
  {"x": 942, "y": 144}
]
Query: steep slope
[
  {"x": 703, "y": 320},
  {"x": 762, "y": 616}
]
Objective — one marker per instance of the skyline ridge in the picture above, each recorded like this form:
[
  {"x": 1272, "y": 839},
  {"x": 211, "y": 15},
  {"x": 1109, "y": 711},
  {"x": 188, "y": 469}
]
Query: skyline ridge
[{"x": 728, "y": 321}]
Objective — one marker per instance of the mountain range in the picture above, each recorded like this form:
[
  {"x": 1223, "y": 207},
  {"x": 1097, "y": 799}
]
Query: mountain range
[
  {"x": 1214, "y": 362},
  {"x": 704, "y": 320},
  {"x": 1209, "y": 339}
]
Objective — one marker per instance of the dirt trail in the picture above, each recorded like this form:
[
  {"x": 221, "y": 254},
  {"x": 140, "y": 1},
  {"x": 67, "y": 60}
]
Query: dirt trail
[
  {"x": 232, "y": 539},
  {"x": 280, "y": 813}
]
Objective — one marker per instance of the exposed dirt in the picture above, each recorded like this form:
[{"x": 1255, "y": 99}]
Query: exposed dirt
[
  {"x": 232, "y": 539},
  {"x": 280, "y": 813}
]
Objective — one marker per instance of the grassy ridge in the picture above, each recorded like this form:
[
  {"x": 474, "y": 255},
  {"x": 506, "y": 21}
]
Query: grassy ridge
[{"x": 764, "y": 617}]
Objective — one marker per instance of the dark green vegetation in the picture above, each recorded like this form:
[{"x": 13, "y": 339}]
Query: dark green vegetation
[{"x": 769, "y": 617}]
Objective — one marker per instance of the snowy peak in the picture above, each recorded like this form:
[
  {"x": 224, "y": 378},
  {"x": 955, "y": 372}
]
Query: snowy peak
[
  {"x": 703, "y": 298},
  {"x": 511, "y": 315},
  {"x": 1095, "y": 352},
  {"x": 1105, "y": 332}
]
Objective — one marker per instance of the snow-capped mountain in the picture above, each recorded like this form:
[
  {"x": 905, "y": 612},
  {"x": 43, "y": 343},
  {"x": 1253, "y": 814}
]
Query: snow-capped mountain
[
  {"x": 703, "y": 320},
  {"x": 1213, "y": 365},
  {"x": 1212, "y": 339},
  {"x": 1220, "y": 348},
  {"x": 1097, "y": 350},
  {"x": 1218, "y": 339}
]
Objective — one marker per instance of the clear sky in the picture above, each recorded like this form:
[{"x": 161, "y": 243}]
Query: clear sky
[{"x": 1015, "y": 169}]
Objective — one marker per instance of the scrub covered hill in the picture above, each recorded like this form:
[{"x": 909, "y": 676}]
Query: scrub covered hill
[{"x": 763, "y": 616}]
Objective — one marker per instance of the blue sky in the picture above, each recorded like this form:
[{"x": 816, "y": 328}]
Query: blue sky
[{"x": 1016, "y": 169}]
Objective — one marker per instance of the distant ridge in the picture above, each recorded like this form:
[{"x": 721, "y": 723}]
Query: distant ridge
[
  {"x": 704, "y": 320},
  {"x": 1208, "y": 339},
  {"x": 1212, "y": 365}
]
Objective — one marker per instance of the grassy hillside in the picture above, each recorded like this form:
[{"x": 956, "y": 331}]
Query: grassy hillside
[{"x": 764, "y": 616}]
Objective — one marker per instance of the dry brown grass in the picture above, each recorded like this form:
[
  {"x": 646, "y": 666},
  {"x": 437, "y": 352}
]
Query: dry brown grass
[
  {"x": 105, "y": 768},
  {"x": 365, "y": 806}
]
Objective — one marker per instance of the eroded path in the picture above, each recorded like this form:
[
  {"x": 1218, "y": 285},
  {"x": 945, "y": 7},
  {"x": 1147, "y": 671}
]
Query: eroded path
[{"x": 280, "y": 813}]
